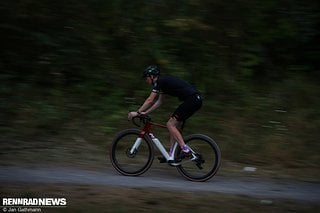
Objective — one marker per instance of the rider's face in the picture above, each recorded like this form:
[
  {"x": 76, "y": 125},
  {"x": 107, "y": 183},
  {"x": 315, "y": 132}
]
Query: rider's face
[{"x": 149, "y": 80}]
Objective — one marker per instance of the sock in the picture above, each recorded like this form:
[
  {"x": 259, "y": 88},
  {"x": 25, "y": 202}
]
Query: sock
[{"x": 185, "y": 148}]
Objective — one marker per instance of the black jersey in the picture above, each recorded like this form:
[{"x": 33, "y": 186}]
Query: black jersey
[{"x": 173, "y": 86}]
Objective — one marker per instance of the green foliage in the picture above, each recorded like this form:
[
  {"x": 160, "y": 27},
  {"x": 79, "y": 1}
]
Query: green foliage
[{"x": 72, "y": 61}]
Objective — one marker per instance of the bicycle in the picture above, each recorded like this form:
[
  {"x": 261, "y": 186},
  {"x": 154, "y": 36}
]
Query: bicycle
[{"x": 132, "y": 152}]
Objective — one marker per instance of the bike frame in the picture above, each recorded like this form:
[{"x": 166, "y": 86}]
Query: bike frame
[{"x": 147, "y": 130}]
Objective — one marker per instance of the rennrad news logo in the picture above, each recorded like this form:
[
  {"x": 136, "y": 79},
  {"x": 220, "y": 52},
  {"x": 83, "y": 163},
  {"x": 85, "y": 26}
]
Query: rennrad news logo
[
  {"x": 10, "y": 204},
  {"x": 34, "y": 201}
]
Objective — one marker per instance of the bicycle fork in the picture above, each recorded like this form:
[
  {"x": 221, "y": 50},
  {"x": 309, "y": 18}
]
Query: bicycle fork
[{"x": 134, "y": 149}]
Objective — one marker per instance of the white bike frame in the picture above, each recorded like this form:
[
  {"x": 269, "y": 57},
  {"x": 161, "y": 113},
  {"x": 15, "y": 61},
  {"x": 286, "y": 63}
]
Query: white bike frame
[
  {"x": 169, "y": 156},
  {"x": 159, "y": 146}
]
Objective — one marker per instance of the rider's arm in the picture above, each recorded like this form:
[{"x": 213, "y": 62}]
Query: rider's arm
[
  {"x": 148, "y": 102},
  {"x": 156, "y": 105}
]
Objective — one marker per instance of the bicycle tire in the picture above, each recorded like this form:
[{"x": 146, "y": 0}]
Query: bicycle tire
[
  {"x": 134, "y": 164},
  {"x": 209, "y": 158}
]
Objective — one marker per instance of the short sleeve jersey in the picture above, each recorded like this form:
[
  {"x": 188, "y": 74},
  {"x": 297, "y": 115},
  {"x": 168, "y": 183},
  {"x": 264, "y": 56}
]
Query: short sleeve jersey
[{"x": 174, "y": 86}]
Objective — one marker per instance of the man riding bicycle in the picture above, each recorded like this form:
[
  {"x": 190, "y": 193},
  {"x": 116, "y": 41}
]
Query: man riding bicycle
[{"x": 169, "y": 85}]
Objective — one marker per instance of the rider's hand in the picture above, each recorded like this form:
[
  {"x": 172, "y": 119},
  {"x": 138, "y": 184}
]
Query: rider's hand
[{"x": 132, "y": 115}]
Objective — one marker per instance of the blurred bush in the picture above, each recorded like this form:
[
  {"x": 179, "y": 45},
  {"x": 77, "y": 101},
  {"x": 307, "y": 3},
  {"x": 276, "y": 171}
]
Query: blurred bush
[{"x": 256, "y": 64}]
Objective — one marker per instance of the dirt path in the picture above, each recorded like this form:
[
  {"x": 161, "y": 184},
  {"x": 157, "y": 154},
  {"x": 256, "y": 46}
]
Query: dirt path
[{"x": 293, "y": 190}]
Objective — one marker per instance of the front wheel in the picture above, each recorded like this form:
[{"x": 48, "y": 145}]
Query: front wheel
[
  {"x": 206, "y": 158},
  {"x": 130, "y": 153}
]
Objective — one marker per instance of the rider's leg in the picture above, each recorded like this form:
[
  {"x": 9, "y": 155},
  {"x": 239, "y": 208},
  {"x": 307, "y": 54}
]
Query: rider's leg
[
  {"x": 171, "y": 144},
  {"x": 172, "y": 140},
  {"x": 182, "y": 113},
  {"x": 175, "y": 134}
]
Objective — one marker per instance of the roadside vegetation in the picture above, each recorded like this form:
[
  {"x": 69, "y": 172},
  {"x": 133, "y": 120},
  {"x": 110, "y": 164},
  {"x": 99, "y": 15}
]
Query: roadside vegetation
[
  {"x": 112, "y": 199},
  {"x": 70, "y": 72}
]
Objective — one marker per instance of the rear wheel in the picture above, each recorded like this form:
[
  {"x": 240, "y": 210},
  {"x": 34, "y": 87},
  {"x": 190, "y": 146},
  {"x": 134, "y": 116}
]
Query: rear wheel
[
  {"x": 131, "y": 163},
  {"x": 206, "y": 158}
]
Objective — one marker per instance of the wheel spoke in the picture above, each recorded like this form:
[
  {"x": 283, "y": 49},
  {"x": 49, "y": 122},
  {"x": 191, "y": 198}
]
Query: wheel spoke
[
  {"x": 127, "y": 162},
  {"x": 207, "y": 160}
]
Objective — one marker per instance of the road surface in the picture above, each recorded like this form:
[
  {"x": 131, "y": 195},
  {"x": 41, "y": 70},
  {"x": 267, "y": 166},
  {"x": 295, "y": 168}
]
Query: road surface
[{"x": 248, "y": 186}]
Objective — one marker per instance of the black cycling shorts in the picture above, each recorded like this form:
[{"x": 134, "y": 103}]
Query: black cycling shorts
[{"x": 190, "y": 105}]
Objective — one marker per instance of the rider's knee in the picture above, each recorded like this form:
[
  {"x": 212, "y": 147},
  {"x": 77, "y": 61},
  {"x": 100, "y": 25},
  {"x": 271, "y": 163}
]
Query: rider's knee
[{"x": 170, "y": 124}]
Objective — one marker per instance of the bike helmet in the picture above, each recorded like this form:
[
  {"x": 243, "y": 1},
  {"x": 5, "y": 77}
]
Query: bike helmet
[{"x": 151, "y": 70}]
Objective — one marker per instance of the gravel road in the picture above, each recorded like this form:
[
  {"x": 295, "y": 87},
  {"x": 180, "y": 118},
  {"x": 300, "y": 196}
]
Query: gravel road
[{"x": 248, "y": 186}]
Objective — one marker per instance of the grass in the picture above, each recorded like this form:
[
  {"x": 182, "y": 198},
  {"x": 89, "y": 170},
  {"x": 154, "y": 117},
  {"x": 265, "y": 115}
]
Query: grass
[
  {"x": 79, "y": 150},
  {"x": 84, "y": 198}
]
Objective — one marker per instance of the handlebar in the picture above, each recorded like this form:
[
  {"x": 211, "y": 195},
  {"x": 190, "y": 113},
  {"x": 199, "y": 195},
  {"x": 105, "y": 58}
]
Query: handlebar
[{"x": 143, "y": 118}]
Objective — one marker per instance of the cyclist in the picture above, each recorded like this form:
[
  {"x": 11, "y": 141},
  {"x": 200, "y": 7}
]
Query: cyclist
[{"x": 169, "y": 85}]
